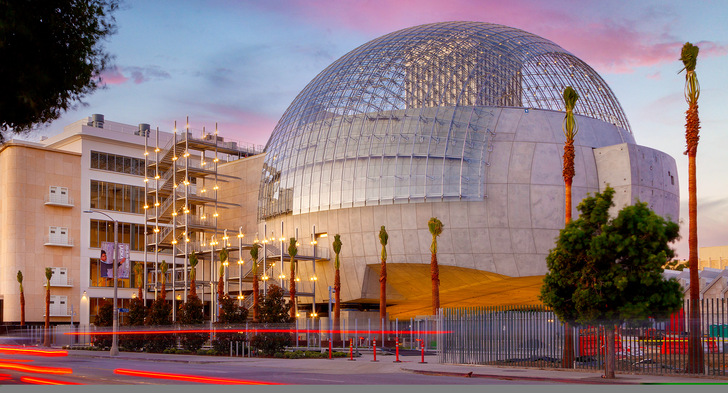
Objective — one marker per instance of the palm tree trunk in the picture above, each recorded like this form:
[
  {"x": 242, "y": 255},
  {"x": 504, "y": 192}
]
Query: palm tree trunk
[
  {"x": 255, "y": 296},
  {"x": 337, "y": 303},
  {"x": 22, "y": 309},
  {"x": 435, "y": 273},
  {"x": 293, "y": 288},
  {"x": 47, "y": 338},
  {"x": 695, "y": 346},
  {"x": 383, "y": 292},
  {"x": 567, "y": 358}
]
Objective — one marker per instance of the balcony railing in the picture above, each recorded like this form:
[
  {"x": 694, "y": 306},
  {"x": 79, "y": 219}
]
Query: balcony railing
[
  {"x": 58, "y": 241},
  {"x": 58, "y": 200}
]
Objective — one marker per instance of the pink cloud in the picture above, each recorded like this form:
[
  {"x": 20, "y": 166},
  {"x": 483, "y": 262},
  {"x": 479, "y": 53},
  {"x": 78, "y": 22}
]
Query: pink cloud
[
  {"x": 113, "y": 76},
  {"x": 642, "y": 39},
  {"x": 233, "y": 123}
]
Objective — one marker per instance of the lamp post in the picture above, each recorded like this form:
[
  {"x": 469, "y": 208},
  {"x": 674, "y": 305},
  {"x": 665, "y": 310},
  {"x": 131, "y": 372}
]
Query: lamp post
[
  {"x": 240, "y": 266},
  {"x": 115, "y": 325}
]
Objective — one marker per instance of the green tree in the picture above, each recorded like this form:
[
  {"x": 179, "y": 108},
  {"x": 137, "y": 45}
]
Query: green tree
[
  {"x": 159, "y": 314},
  {"x": 104, "y": 318},
  {"x": 383, "y": 237},
  {"x": 689, "y": 57},
  {"x": 677, "y": 265},
  {"x": 570, "y": 129},
  {"x": 22, "y": 299},
  {"x": 47, "y": 335},
  {"x": 52, "y": 57},
  {"x": 435, "y": 226},
  {"x": 256, "y": 292},
  {"x": 337, "y": 283},
  {"x": 137, "y": 312},
  {"x": 293, "y": 251},
  {"x": 606, "y": 271},
  {"x": 273, "y": 310}
]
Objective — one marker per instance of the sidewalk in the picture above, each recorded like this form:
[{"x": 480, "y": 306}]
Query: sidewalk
[{"x": 386, "y": 364}]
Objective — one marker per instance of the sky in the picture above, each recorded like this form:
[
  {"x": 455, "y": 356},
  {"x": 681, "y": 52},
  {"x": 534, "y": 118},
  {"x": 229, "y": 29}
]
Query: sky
[{"x": 241, "y": 63}]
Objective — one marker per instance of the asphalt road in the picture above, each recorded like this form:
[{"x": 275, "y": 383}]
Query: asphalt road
[{"x": 105, "y": 371}]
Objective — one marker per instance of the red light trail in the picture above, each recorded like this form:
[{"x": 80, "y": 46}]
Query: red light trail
[
  {"x": 190, "y": 378},
  {"x": 36, "y": 369},
  {"x": 43, "y": 381},
  {"x": 290, "y": 330},
  {"x": 33, "y": 351}
]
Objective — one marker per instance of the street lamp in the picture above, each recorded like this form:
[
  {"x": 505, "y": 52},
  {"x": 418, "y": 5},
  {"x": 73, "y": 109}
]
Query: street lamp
[{"x": 115, "y": 326}]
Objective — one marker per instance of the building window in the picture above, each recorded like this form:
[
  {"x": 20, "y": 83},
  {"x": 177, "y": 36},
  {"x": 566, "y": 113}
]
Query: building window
[
  {"x": 95, "y": 279},
  {"x": 58, "y": 236},
  {"x": 103, "y": 231},
  {"x": 117, "y": 163},
  {"x": 117, "y": 197}
]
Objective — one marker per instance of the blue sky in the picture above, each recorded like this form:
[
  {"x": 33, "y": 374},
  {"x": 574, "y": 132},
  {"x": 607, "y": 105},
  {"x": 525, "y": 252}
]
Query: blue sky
[{"x": 241, "y": 63}]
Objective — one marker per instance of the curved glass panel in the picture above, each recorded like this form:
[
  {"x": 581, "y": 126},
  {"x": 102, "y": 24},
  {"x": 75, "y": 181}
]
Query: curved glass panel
[{"x": 405, "y": 117}]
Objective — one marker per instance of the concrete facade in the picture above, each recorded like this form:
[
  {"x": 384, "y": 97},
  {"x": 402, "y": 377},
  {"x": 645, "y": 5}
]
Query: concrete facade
[{"x": 512, "y": 229}]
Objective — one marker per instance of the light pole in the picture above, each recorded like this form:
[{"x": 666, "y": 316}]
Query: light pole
[
  {"x": 331, "y": 319},
  {"x": 240, "y": 266},
  {"x": 115, "y": 325}
]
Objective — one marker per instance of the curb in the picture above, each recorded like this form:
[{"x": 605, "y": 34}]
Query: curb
[{"x": 515, "y": 378}]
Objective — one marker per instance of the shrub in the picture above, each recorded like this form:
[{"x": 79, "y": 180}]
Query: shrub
[{"x": 104, "y": 318}]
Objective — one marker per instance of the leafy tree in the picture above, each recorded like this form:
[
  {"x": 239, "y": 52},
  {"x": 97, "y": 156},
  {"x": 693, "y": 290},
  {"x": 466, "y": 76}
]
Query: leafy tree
[
  {"x": 230, "y": 314},
  {"x": 104, "y": 318},
  {"x": 677, "y": 265},
  {"x": 273, "y": 310},
  {"x": 570, "y": 130},
  {"x": 435, "y": 226},
  {"x": 689, "y": 57},
  {"x": 383, "y": 237},
  {"x": 52, "y": 57},
  {"x": 292, "y": 251},
  {"x": 221, "y": 280},
  {"x": 22, "y": 299},
  {"x": 256, "y": 292},
  {"x": 137, "y": 312},
  {"x": 606, "y": 271},
  {"x": 337, "y": 283},
  {"x": 47, "y": 335}
]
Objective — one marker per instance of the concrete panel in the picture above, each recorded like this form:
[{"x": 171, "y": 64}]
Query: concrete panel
[
  {"x": 505, "y": 264},
  {"x": 519, "y": 169},
  {"x": 507, "y": 121},
  {"x": 459, "y": 215},
  {"x": 545, "y": 239},
  {"x": 480, "y": 240},
  {"x": 547, "y": 206},
  {"x": 546, "y": 168},
  {"x": 519, "y": 206},
  {"x": 534, "y": 127},
  {"x": 522, "y": 241},
  {"x": 498, "y": 160},
  {"x": 500, "y": 240},
  {"x": 477, "y": 215},
  {"x": 412, "y": 246},
  {"x": 394, "y": 217},
  {"x": 531, "y": 264},
  {"x": 409, "y": 216},
  {"x": 497, "y": 206},
  {"x": 484, "y": 262},
  {"x": 461, "y": 240}
]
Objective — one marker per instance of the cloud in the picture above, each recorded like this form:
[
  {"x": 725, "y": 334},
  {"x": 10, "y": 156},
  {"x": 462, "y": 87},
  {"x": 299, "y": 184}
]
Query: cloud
[
  {"x": 602, "y": 36},
  {"x": 120, "y": 75}
]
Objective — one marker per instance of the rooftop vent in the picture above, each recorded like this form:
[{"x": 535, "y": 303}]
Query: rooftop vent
[
  {"x": 96, "y": 120},
  {"x": 143, "y": 130}
]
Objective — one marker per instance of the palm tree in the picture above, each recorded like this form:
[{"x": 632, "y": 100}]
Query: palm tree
[
  {"x": 435, "y": 226},
  {"x": 337, "y": 283},
  {"x": 221, "y": 277},
  {"x": 689, "y": 57},
  {"x": 256, "y": 296},
  {"x": 292, "y": 251},
  {"x": 139, "y": 276},
  {"x": 193, "y": 273},
  {"x": 570, "y": 130},
  {"x": 22, "y": 299},
  {"x": 48, "y": 274},
  {"x": 163, "y": 269},
  {"x": 383, "y": 237}
]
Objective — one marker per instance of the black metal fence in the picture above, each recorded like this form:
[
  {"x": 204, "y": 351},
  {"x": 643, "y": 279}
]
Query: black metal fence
[{"x": 532, "y": 336}]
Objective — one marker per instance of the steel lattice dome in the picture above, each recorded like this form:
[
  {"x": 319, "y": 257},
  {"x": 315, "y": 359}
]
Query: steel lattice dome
[{"x": 405, "y": 117}]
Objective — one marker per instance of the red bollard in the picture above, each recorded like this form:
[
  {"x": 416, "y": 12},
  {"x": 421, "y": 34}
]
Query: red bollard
[
  {"x": 396, "y": 343},
  {"x": 374, "y": 342},
  {"x": 423, "y": 352},
  {"x": 329, "y": 348},
  {"x": 351, "y": 349}
]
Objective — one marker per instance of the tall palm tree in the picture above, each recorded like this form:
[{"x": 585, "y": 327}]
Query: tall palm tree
[
  {"x": 689, "y": 57},
  {"x": 47, "y": 340},
  {"x": 22, "y": 299},
  {"x": 383, "y": 237},
  {"x": 570, "y": 129},
  {"x": 256, "y": 295},
  {"x": 292, "y": 251},
  {"x": 435, "y": 226},
  {"x": 193, "y": 273},
  {"x": 337, "y": 283}
]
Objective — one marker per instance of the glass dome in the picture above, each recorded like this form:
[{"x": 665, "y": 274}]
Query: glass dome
[{"x": 408, "y": 116}]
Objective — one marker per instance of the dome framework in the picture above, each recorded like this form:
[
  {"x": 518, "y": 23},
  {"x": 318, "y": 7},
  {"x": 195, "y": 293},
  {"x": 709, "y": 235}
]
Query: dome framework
[{"x": 408, "y": 117}]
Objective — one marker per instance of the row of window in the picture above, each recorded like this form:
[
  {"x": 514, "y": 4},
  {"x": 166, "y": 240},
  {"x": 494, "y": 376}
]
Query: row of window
[
  {"x": 103, "y": 231},
  {"x": 96, "y": 279},
  {"x": 117, "y": 163},
  {"x": 118, "y": 197}
]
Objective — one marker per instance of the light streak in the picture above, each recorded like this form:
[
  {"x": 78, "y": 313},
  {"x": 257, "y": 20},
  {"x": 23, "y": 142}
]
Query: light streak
[
  {"x": 190, "y": 378},
  {"x": 36, "y": 369},
  {"x": 233, "y": 330},
  {"x": 43, "y": 381},
  {"x": 33, "y": 351}
]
